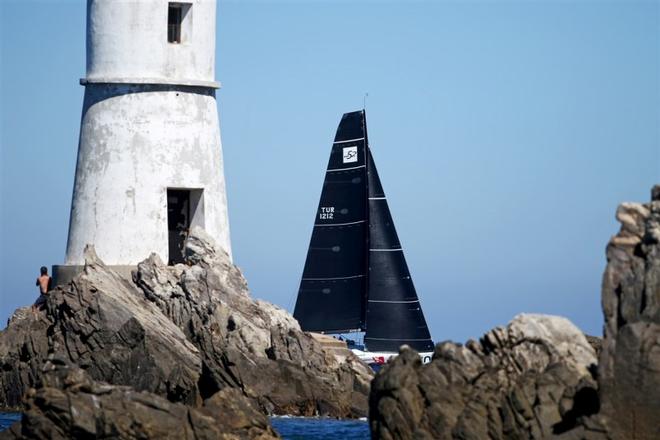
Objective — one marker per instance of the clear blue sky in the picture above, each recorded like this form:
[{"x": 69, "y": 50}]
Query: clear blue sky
[{"x": 505, "y": 133}]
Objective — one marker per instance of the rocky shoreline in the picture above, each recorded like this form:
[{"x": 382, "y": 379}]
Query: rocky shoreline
[
  {"x": 535, "y": 378},
  {"x": 187, "y": 334},
  {"x": 184, "y": 352},
  {"x": 68, "y": 404},
  {"x": 540, "y": 377}
]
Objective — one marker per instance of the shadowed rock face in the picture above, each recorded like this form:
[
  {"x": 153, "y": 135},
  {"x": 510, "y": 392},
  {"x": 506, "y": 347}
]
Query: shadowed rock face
[
  {"x": 68, "y": 404},
  {"x": 184, "y": 333},
  {"x": 101, "y": 323},
  {"x": 529, "y": 380},
  {"x": 630, "y": 358}
]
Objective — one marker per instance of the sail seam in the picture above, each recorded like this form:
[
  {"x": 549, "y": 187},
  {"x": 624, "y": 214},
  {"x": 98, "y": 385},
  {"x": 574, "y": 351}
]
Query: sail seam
[
  {"x": 340, "y": 224},
  {"x": 393, "y": 302},
  {"x": 377, "y": 198},
  {"x": 333, "y": 278},
  {"x": 344, "y": 169},
  {"x": 385, "y": 250},
  {"x": 348, "y": 140}
]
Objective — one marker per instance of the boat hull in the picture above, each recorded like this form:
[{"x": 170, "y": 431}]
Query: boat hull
[{"x": 376, "y": 359}]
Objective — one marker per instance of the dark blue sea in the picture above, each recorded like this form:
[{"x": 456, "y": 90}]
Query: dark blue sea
[
  {"x": 313, "y": 428},
  {"x": 8, "y": 419},
  {"x": 290, "y": 428}
]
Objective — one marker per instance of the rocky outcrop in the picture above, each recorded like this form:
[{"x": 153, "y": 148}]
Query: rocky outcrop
[
  {"x": 530, "y": 380},
  {"x": 535, "y": 379},
  {"x": 630, "y": 360},
  {"x": 251, "y": 345},
  {"x": 100, "y": 323},
  {"x": 184, "y": 333},
  {"x": 68, "y": 404}
]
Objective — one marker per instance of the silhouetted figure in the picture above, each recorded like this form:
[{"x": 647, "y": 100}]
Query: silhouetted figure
[{"x": 44, "y": 282}]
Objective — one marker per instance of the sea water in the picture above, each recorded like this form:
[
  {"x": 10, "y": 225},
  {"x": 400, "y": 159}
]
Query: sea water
[
  {"x": 8, "y": 419},
  {"x": 320, "y": 428},
  {"x": 290, "y": 428}
]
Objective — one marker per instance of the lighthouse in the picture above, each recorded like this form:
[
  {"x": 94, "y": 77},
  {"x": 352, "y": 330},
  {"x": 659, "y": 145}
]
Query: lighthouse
[{"x": 150, "y": 161}]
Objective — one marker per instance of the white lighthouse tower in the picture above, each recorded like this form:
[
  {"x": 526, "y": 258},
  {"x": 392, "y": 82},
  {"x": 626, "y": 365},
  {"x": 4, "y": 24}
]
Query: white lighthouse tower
[{"x": 149, "y": 156}]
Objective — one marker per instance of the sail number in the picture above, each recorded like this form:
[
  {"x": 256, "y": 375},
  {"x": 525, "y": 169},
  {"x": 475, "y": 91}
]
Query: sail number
[{"x": 327, "y": 213}]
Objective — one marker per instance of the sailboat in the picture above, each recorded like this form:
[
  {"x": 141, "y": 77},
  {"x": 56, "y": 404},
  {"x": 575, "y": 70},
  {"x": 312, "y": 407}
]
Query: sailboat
[{"x": 355, "y": 277}]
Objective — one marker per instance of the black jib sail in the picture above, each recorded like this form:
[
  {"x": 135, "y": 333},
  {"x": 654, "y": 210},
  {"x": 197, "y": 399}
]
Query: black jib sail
[
  {"x": 333, "y": 287},
  {"x": 394, "y": 315},
  {"x": 356, "y": 276}
]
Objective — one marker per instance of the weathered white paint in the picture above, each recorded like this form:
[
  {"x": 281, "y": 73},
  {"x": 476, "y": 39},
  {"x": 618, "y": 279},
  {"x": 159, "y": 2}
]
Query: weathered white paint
[
  {"x": 127, "y": 42},
  {"x": 139, "y": 137}
]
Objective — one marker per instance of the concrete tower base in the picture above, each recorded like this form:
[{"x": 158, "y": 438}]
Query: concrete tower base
[{"x": 138, "y": 144}]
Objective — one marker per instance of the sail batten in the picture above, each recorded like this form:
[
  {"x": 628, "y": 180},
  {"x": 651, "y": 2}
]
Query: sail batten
[
  {"x": 348, "y": 140},
  {"x": 339, "y": 224},
  {"x": 334, "y": 278}
]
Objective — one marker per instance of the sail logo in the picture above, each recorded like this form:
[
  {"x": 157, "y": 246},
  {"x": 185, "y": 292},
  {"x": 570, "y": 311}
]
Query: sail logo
[{"x": 350, "y": 154}]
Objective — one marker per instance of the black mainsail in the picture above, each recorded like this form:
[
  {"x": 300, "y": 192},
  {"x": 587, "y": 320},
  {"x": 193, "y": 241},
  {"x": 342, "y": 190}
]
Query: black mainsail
[
  {"x": 355, "y": 275},
  {"x": 333, "y": 287}
]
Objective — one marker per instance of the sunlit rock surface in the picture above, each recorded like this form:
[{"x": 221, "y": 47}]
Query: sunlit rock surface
[
  {"x": 530, "y": 379},
  {"x": 184, "y": 333}
]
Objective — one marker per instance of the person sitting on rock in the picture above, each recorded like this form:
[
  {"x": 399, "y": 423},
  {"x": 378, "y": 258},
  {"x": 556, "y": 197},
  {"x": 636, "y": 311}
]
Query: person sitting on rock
[{"x": 44, "y": 282}]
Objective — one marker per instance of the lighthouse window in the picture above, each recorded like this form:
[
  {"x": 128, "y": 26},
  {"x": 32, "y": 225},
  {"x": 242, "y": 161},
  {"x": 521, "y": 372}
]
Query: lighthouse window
[
  {"x": 179, "y": 22},
  {"x": 174, "y": 18}
]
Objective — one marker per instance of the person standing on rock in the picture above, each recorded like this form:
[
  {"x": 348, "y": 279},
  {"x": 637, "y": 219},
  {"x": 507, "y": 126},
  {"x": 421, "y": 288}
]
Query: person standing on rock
[{"x": 44, "y": 282}]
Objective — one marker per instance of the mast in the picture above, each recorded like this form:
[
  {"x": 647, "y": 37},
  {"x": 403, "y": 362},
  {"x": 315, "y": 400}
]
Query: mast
[{"x": 365, "y": 293}]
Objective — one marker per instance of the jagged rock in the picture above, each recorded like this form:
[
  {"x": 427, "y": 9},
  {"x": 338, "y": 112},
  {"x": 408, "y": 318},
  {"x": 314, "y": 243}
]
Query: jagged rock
[
  {"x": 23, "y": 352},
  {"x": 185, "y": 333},
  {"x": 629, "y": 370},
  {"x": 596, "y": 343},
  {"x": 513, "y": 384},
  {"x": 68, "y": 404},
  {"x": 531, "y": 379},
  {"x": 103, "y": 324},
  {"x": 249, "y": 344}
]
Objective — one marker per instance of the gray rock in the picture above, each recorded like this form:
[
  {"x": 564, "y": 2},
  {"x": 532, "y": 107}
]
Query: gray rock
[
  {"x": 630, "y": 358},
  {"x": 68, "y": 404},
  {"x": 596, "y": 343},
  {"x": 252, "y": 345},
  {"x": 184, "y": 333},
  {"x": 103, "y": 324},
  {"x": 531, "y": 379}
]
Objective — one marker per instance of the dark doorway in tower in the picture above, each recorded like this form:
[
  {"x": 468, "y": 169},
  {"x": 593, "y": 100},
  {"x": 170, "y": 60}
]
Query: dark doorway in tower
[{"x": 185, "y": 208}]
